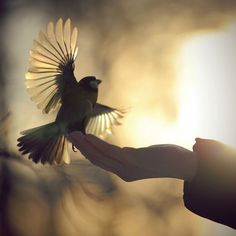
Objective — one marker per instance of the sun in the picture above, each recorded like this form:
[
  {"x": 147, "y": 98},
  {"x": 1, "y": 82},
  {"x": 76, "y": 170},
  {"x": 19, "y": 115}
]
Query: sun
[{"x": 206, "y": 86}]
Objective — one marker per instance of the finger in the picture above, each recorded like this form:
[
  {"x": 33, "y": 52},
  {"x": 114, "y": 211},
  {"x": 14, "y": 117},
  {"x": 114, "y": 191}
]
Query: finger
[
  {"x": 99, "y": 158},
  {"x": 75, "y": 138},
  {"x": 78, "y": 139},
  {"x": 111, "y": 167},
  {"x": 108, "y": 150},
  {"x": 93, "y": 151},
  {"x": 103, "y": 146}
]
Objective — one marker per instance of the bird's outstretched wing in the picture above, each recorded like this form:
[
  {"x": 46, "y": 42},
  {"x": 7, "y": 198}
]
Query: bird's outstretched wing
[
  {"x": 51, "y": 64},
  {"x": 103, "y": 119}
]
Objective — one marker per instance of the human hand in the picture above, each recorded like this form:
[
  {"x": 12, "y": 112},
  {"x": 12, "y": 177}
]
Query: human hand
[
  {"x": 132, "y": 164},
  {"x": 107, "y": 156}
]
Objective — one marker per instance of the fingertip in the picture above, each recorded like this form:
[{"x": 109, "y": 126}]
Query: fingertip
[
  {"x": 74, "y": 136},
  {"x": 76, "y": 133},
  {"x": 90, "y": 136}
]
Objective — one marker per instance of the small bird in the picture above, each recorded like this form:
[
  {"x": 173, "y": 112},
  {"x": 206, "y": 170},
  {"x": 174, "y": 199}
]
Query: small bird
[{"x": 51, "y": 83}]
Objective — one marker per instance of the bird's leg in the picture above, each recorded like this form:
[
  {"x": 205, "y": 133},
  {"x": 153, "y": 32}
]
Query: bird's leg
[{"x": 73, "y": 148}]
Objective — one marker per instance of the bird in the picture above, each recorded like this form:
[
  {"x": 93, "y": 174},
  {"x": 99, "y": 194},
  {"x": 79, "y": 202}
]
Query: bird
[{"x": 52, "y": 85}]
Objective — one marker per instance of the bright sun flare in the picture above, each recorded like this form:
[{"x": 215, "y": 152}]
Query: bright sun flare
[
  {"x": 206, "y": 71},
  {"x": 207, "y": 86}
]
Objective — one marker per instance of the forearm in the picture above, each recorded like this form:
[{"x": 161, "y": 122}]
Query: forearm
[{"x": 167, "y": 160}]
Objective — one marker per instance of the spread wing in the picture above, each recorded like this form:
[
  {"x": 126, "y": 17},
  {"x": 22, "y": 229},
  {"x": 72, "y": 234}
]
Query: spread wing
[
  {"x": 103, "y": 119},
  {"x": 51, "y": 64}
]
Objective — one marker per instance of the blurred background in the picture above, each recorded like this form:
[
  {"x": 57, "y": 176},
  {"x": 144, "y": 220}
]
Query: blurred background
[{"x": 172, "y": 62}]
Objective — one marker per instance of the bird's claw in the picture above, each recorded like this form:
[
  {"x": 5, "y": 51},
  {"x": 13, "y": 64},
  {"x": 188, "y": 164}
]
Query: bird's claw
[{"x": 74, "y": 148}]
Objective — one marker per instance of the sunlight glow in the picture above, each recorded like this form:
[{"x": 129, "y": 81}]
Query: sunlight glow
[
  {"x": 207, "y": 86},
  {"x": 148, "y": 130},
  {"x": 206, "y": 69}
]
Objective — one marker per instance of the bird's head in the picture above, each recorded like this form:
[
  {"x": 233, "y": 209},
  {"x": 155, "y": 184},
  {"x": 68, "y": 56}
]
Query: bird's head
[{"x": 90, "y": 82}]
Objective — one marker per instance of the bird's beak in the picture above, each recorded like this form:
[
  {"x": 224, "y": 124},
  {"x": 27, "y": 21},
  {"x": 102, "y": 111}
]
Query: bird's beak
[
  {"x": 98, "y": 81},
  {"x": 94, "y": 84}
]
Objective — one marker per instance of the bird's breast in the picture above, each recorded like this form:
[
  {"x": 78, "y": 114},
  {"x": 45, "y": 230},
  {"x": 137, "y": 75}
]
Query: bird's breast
[
  {"x": 76, "y": 112},
  {"x": 76, "y": 109}
]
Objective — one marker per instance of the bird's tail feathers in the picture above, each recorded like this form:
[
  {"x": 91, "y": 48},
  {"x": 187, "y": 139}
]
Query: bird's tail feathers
[{"x": 45, "y": 144}]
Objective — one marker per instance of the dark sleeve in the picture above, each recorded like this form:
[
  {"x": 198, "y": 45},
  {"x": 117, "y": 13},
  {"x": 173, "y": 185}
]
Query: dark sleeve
[{"x": 212, "y": 192}]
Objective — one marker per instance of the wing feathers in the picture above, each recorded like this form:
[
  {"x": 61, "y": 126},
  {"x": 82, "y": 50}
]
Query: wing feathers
[
  {"x": 103, "y": 119},
  {"x": 54, "y": 52},
  {"x": 74, "y": 48}
]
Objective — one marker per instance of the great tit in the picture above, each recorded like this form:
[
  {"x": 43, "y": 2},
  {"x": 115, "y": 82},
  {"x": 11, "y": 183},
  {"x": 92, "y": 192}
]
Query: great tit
[{"x": 51, "y": 83}]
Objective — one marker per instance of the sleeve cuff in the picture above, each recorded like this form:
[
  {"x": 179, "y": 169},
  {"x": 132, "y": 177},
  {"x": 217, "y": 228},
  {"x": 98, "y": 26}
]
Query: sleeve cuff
[{"x": 212, "y": 192}]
